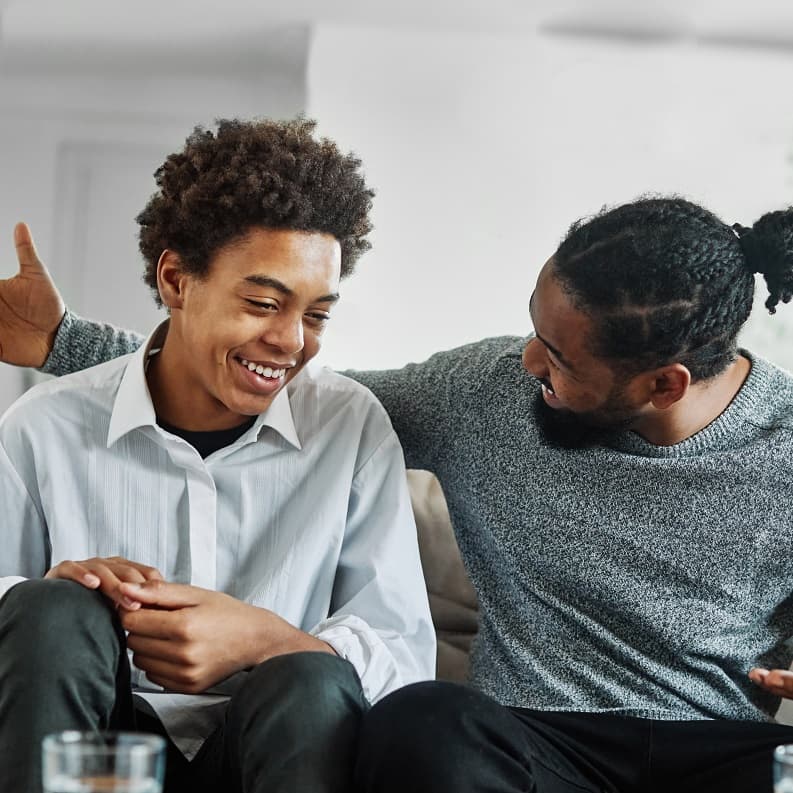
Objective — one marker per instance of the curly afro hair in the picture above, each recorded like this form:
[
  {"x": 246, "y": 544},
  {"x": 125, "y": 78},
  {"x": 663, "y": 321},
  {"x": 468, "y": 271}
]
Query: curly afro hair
[{"x": 265, "y": 173}]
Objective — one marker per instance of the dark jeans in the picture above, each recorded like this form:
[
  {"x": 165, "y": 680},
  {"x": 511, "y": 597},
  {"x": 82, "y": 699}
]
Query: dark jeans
[
  {"x": 435, "y": 737},
  {"x": 291, "y": 728}
]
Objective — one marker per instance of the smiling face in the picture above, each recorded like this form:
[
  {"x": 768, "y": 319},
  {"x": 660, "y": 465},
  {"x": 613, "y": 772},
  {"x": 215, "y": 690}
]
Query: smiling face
[
  {"x": 576, "y": 383},
  {"x": 239, "y": 334}
]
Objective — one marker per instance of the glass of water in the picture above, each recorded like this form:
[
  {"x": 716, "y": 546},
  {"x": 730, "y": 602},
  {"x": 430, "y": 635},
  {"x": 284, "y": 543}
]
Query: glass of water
[
  {"x": 783, "y": 769},
  {"x": 103, "y": 762}
]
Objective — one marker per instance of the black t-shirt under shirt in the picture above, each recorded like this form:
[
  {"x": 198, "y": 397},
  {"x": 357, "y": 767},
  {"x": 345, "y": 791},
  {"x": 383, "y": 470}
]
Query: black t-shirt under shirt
[{"x": 209, "y": 441}]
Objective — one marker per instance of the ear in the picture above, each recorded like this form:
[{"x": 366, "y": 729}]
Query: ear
[
  {"x": 668, "y": 385},
  {"x": 170, "y": 279}
]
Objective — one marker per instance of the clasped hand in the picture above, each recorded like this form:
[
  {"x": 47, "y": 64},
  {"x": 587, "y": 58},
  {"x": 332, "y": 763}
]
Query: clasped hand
[{"x": 185, "y": 638}]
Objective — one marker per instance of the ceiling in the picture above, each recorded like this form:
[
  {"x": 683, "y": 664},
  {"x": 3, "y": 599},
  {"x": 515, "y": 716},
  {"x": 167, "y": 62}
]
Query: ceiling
[{"x": 240, "y": 34}]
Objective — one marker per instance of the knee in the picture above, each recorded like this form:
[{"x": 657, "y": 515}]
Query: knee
[
  {"x": 429, "y": 709},
  {"x": 39, "y": 613},
  {"x": 297, "y": 687},
  {"x": 440, "y": 736},
  {"x": 406, "y": 729}
]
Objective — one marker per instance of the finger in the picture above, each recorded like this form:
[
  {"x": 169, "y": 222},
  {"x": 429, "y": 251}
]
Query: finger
[
  {"x": 777, "y": 691},
  {"x": 147, "y": 572},
  {"x": 771, "y": 682},
  {"x": 109, "y": 583},
  {"x": 27, "y": 255},
  {"x": 160, "y": 649},
  {"x": 164, "y": 594},
  {"x": 172, "y": 686},
  {"x": 127, "y": 573},
  {"x": 757, "y": 674},
  {"x": 74, "y": 571},
  {"x": 153, "y": 623},
  {"x": 175, "y": 677},
  {"x": 780, "y": 678}
]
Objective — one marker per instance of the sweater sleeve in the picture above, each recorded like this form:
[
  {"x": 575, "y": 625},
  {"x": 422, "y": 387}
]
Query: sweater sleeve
[
  {"x": 80, "y": 343},
  {"x": 419, "y": 399},
  {"x": 429, "y": 403}
]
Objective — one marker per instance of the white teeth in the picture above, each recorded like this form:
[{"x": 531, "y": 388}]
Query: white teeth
[{"x": 263, "y": 371}]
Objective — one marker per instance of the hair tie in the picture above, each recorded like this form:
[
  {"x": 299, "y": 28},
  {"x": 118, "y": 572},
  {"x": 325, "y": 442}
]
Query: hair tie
[{"x": 747, "y": 239}]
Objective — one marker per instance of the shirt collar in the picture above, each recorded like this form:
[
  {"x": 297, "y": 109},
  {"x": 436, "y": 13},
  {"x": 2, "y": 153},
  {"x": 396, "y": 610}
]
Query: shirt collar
[
  {"x": 279, "y": 417},
  {"x": 133, "y": 407}
]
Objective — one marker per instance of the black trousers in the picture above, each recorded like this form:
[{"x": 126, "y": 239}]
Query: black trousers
[
  {"x": 291, "y": 728},
  {"x": 437, "y": 737}
]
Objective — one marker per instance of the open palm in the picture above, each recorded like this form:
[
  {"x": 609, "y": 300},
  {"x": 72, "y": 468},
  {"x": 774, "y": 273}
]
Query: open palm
[{"x": 31, "y": 307}]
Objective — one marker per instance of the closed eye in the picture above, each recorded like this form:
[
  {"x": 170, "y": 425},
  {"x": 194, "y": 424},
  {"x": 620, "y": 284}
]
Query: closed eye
[{"x": 257, "y": 304}]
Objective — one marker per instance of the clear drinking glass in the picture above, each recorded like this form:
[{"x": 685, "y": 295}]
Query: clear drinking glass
[
  {"x": 783, "y": 769},
  {"x": 103, "y": 762}
]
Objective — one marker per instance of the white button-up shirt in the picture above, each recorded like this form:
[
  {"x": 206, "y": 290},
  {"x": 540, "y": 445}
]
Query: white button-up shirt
[{"x": 306, "y": 514}]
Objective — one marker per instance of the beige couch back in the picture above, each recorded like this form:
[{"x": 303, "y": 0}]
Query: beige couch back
[{"x": 452, "y": 597}]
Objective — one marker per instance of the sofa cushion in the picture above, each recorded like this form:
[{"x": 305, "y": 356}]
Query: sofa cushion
[{"x": 451, "y": 595}]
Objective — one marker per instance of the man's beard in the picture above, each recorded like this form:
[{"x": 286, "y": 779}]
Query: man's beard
[{"x": 564, "y": 429}]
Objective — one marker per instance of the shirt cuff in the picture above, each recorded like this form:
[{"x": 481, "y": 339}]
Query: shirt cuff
[{"x": 355, "y": 641}]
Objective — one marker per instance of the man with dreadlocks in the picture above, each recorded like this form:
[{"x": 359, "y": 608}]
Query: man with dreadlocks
[
  {"x": 621, "y": 489},
  {"x": 234, "y": 516}
]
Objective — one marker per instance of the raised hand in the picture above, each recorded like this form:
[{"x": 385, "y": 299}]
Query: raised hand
[
  {"x": 107, "y": 575},
  {"x": 31, "y": 307},
  {"x": 187, "y": 639}
]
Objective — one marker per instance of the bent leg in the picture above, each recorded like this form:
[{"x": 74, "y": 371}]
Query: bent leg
[
  {"x": 437, "y": 736},
  {"x": 291, "y": 728},
  {"x": 62, "y": 666}
]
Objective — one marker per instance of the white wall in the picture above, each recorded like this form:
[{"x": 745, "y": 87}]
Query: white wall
[{"x": 485, "y": 148}]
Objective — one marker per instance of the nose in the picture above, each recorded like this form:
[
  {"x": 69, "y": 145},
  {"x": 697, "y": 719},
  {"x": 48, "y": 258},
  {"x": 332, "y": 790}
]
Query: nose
[
  {"x": 284, "y": 331},
  {"x": 534, "y": 359}
]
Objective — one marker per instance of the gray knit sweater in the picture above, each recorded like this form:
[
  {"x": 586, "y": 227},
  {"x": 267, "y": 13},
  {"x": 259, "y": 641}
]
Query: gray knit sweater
[{"x": 622, "y": 577}]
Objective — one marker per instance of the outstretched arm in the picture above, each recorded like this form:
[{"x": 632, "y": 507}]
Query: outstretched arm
[
  {"x": 80, "y": 343},
  {"x": 416, "y": 400},
  {"x": 37, "y": 330}
]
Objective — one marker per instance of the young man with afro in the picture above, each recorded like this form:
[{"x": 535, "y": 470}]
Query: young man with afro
[{"x": 232, "y": 516}]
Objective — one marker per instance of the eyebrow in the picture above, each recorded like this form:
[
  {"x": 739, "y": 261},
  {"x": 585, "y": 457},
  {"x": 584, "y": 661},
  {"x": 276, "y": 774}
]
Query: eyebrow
[
  {"x": 280, "y": 286},
  {"x": 550, "y": 346}
]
